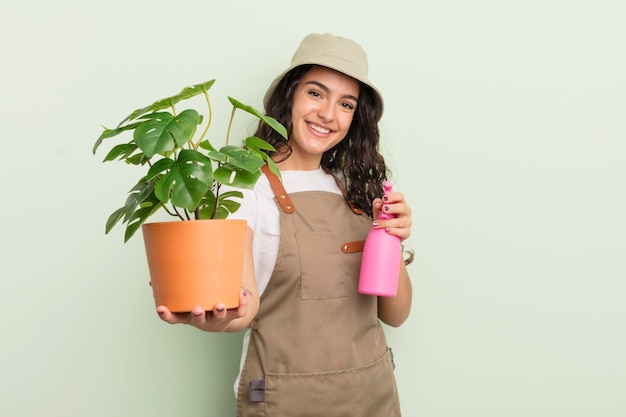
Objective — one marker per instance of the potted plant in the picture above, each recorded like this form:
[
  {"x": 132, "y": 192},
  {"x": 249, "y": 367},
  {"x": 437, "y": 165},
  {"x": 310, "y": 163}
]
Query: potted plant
[{"x": 184, "y": 176}]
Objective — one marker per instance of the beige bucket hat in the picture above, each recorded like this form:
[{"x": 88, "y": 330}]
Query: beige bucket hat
[{"x": 341, "y": 54}]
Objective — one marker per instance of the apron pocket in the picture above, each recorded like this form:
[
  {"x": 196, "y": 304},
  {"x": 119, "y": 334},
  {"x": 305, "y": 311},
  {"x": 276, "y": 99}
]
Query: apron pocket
[
  {"x": 322, "y": 267},
  {"x": 364, "y": 391}
]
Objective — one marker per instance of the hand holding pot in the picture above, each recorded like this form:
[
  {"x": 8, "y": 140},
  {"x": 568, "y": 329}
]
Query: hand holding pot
[{"x": 218, "y": 320}]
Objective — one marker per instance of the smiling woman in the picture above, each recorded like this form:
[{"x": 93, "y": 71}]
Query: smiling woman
[
  {"x": 311, "y": 331},
  {"x": 504, "y": 124}
]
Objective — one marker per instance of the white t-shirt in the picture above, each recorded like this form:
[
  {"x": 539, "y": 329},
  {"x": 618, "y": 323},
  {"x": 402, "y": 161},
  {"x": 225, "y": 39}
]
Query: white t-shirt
[{"x": 261, "y": 212}]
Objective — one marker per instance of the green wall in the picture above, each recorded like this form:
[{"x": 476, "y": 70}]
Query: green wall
[{"x": 505, "y": 126}]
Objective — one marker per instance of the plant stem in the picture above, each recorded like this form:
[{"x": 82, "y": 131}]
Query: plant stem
[
  {"x": 175, "y": 214},
  {"x": 230, "y": 124},
  {"x": 209, "y": 119},
  {"x": 173, "y": 107},
  {"x": 217, "y": 199}
]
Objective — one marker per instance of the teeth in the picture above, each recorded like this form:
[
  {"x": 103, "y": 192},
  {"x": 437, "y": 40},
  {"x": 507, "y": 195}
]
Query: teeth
[{"x": 319, "y": 129}]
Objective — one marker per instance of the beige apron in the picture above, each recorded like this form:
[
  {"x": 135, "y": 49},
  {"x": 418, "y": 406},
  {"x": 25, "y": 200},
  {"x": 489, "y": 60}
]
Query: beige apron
[{"x": 316, "y": 345}]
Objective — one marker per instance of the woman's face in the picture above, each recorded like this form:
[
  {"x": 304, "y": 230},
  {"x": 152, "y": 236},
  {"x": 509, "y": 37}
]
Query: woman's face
[{"x": 324, "y": 104}]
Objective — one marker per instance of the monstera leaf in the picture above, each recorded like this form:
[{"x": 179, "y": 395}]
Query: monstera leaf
[
  {"x": 163, "y": 132},
  {"x": 183, "y": 181}
]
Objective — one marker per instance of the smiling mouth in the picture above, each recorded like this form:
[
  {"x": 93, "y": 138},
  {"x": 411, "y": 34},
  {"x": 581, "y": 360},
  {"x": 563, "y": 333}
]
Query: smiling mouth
[{"x": 319, "y": 129}]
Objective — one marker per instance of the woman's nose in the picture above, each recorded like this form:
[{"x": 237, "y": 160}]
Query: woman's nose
[{"x": 326, "y": 111}]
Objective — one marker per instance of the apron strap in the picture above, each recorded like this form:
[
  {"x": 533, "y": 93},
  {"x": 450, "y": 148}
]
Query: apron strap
[
  {"x": 279, "y": 191},
  {"x": 351, "y": 247}
]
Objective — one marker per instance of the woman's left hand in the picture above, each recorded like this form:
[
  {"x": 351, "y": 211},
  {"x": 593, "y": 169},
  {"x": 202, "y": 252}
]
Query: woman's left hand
[{"x": 395, "y": 204}]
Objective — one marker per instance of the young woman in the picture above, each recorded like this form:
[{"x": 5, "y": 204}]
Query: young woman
[{"x": 315, "y": 346}]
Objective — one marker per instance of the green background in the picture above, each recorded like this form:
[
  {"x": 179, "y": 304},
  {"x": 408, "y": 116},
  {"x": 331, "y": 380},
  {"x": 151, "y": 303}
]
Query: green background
[{"x": 505, "y": 126}]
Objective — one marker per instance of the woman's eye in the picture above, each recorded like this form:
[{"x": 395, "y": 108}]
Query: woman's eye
[{"x": 315, "y": 93}]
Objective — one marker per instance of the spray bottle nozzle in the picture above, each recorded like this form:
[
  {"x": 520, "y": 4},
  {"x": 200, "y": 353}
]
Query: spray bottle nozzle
[{"x": 387, "y": 187}]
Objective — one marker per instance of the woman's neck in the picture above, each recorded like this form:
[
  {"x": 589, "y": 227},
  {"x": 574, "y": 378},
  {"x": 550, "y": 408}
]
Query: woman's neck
[{"x": 299, "y": 164}]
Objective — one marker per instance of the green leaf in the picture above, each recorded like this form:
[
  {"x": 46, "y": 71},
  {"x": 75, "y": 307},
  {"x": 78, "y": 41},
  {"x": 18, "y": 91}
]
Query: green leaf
[
  {"x": 132, "y": 228},
  {"x": 257, "y": 144},
  {"x": 143, "y": 191},
  {"x": 230, "y": 205},
  {"x": 121, "y": 151},
  {"x": 230, "y": 175},
  {"x": 114, "y": 219},
  {"x": 270, "y": 121},
  {"x": 224, "y": 203},
  {"x": 231, "y": 194},
  {"x": 185, "y": 180},
  {"x": 168, "y": 102},
  {"x": 271, "y": 164},
  {"x": 162, "y": 132},
  {"x": 205, "y": 144},
  {"x": 207, "y": 205},
  {"x": 243, "y": 158},
  {"x": 139, "y": 217},
  {"x": 218, "y": 156},
  {"x": 164, "y": 164},
  {"x": 137, "y": 159},
  {"x": 109, "y": 133},
  {"x": 140, "y": 204},
  {"x": 224, "y": 200},
  {"x": 207, "y": 213}
]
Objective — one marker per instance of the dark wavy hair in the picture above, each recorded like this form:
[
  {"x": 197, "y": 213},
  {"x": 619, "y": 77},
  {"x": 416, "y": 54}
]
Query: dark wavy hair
[{"x": 357, "y": 156}]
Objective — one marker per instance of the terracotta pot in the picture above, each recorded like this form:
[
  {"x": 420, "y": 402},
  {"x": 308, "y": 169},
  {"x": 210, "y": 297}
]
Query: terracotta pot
[{"x": 195, "y": 263}]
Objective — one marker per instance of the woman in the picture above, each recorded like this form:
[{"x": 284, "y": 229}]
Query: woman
[{"x": 315, "y": 345}]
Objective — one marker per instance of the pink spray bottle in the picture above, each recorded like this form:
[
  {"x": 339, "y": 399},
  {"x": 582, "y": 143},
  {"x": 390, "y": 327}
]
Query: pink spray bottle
[{"x": 380, "y": 265}]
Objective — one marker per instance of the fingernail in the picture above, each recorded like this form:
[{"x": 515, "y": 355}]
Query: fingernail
[
  {"x": 160, "y": 312},
  {"x": 219, "y": 309},
  {"x": 386, "y": 208},
  {"x": 375, "y": 224},
  {"x": 244, "y": 292},
  {"x": 385, "y": 198}
]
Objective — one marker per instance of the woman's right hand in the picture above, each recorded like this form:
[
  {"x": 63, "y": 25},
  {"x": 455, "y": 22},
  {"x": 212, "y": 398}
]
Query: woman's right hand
[{"x": 218, "y": 320}]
